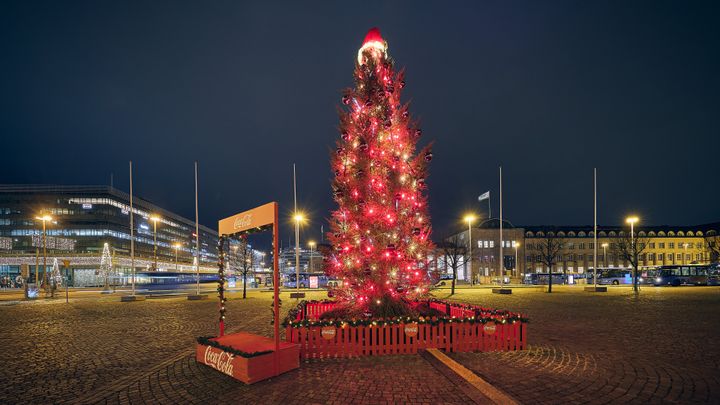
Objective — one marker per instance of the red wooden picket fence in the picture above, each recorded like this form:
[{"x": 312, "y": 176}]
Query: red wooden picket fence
[{"x": 404, "y": 338}]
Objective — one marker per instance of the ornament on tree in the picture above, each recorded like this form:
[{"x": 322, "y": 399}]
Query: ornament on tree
[{"x": 385, "y": 208}]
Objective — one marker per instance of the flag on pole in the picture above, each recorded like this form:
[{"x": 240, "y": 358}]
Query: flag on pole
[{"x": 484, "y": 196}]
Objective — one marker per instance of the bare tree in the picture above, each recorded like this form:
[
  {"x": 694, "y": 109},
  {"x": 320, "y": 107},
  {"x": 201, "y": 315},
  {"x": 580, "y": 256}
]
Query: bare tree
[
  {"x": 630, "y": 249},
  {"x": 712, "y": 244},
  {"x": 453, "y": 251},
  {"x": 243, "y": 261},
  {"x": 547, "y": 248}
]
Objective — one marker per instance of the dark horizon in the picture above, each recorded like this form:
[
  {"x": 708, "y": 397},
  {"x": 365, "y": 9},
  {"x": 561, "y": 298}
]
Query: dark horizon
[{"x": 549, "y": 91}]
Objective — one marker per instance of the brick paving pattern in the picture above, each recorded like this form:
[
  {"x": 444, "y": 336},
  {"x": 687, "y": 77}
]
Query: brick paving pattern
[
  {"x": 585, "y": 348},
  {"x": 612, "y": 348}
]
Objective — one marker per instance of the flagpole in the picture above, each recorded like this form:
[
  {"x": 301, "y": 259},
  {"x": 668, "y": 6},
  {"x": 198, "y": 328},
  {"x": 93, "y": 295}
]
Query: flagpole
[
  {"x": 132, "y": 231},
  {"x": 197, "y": 235},
  {"x": 297, "y": 234},
  {"x": 502, "y": 261},
  {"x": 489, "y": 208},
  {"x": 595, "y": 250}
]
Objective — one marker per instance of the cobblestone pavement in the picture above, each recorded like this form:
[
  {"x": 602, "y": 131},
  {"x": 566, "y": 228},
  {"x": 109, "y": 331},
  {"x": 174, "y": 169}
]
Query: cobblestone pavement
[
  {"x": 609, "y": 348},
  {"x": 55, "y": 352},
  {"x": 369, "y": 380},
  {"x": 594, "y": 348}
]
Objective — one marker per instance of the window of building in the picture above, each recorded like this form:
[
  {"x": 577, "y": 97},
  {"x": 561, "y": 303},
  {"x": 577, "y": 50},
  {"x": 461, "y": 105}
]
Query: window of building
[
  {"x": 591, "y": 245},
  {"x": 651, "y": 245},
  {"x": 571, "y": 245},
  {"x": 671, "y": 245},
  {"x": 661, "y": 245},
  {"x": 660, "y": 257},
  {"x": 581, "y": 246}
]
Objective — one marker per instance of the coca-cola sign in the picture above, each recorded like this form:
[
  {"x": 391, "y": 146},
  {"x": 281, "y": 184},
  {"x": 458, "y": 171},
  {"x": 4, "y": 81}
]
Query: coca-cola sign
[
  {"x": 243, "y": 221},
  {"x": 254, "y": 218},
  {"x": 219, "y": 360},
  {"x": 411, "y": 329},
  {"x": 328, "y": 332}
]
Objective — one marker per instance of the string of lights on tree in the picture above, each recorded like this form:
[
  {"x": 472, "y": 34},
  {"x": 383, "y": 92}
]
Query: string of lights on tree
[
  {"x": 221, "y": 278},
  {"x": 380, "y": 232}
]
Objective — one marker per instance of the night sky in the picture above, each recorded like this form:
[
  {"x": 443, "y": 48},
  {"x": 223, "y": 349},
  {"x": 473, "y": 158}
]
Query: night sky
[{"x": 548, "y": 90}]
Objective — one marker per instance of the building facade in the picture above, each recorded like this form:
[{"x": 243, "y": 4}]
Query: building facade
[
  {"x": 83, "y": 218},
  {"x": 662, "y": 245}
]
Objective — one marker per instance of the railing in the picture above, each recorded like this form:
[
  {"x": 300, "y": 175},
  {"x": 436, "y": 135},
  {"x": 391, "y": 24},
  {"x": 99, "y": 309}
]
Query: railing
[{"x": 453, "y": 333}]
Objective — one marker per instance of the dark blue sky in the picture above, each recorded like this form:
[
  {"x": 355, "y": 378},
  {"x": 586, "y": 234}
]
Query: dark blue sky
[{"x": 547, "y": 89}]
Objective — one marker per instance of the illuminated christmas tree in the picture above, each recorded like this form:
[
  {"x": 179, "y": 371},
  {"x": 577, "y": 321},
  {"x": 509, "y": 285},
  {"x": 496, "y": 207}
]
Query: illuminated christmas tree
[
  {"x": 106, "y": 267},
  {"x": 380, "y": 232},
  {"x": 55, "y": 276}
]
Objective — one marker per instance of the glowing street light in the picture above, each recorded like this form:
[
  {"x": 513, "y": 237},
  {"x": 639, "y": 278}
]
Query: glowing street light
[
  {"x": 155, "y": 220},
  {"x": 469, "y": 218},
  {"x": 44, "y": 218},
  {"x": 299, "y": 218},
  {"x": 632, "y": 220},
  {"x": 312, "y": 245},
  {"x": 605, "y": 246},
  {"x": 516, "y": 245},
  {"x": 177, "y": 246}
]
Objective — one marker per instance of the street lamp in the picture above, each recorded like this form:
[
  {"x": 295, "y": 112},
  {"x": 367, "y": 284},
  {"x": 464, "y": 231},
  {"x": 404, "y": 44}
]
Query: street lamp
[
  {"x": 176, "y": 246},
  {"x": 44, "y": 218},
  {"x": 605, "y": 246},
  {"x": 632, "y": 220},
  {"x": 312, "y": 248},
  {"x": 155, "y": 220},
  {"x": 516, "y": 245},
  {"x": 685, "y": 246},
  {"x": 298, "y": 218},
  {"x": 469, "y": 218}
]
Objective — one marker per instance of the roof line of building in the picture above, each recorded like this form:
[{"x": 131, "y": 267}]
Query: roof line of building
[{"x": 40, "y": 188}]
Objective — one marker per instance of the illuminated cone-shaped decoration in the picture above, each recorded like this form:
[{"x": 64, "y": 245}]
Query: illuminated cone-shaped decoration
[{"x": 380, "y": 231}]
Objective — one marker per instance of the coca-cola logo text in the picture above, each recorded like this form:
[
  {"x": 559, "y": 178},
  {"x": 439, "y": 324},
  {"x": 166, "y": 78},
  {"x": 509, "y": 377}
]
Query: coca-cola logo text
[
  {"x": 219, "y": 360},
  {"x": 243, "y": 221}
]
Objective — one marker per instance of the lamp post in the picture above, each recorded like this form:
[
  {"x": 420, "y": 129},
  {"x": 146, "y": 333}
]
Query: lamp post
[
  {"x": 177, "y": 247},
  {"x": 469, "y": 219},
  {"x": 632, "y": 220},
  {"x": 155, "y": 220},
  {"x": 312, "y": 249},
  {"x": 685, "y": 246},
  {"x": 44, "y": 218},
  {"x": 605, "y": 246},
  {"x": 298, "y": 217},
  {"x": 516, "y": 245}
]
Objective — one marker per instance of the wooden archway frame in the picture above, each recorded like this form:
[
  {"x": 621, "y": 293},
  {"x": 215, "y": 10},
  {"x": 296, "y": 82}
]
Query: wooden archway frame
[{"x": 255, "y": 219}]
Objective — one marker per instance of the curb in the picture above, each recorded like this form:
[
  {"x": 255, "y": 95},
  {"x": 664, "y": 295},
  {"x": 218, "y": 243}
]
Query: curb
[{"x": 490, "y": 392}]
